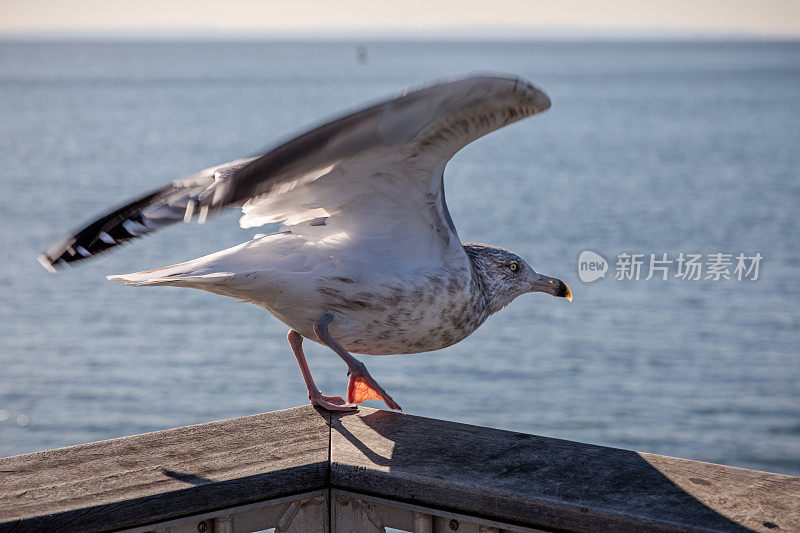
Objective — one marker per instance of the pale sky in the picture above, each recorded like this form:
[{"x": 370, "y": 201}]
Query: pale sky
[{"x": 777, "y": 18}]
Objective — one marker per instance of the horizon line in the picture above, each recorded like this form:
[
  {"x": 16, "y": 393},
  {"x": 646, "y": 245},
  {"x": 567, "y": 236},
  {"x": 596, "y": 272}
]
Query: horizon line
[{"x": 476, "y": 33}]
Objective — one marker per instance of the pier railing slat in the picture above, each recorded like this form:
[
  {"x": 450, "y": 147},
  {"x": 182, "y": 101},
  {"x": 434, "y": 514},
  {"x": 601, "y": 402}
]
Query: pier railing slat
[
  {"x": 551, "y": 483},
  {"x": 303, "y": 470},
  {"x": 152, "y": 477}
]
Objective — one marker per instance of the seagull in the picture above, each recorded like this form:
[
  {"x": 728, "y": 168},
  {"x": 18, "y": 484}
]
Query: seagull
[{"x": 367, "y": 259}]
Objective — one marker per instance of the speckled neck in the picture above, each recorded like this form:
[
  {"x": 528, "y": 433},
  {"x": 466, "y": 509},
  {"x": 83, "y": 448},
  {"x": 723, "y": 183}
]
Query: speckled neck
[{"x": 484, "y": 258}]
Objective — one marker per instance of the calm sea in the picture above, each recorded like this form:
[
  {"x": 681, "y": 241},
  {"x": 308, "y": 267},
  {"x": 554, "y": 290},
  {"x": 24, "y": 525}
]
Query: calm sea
[{"x": 650, "y": 148}]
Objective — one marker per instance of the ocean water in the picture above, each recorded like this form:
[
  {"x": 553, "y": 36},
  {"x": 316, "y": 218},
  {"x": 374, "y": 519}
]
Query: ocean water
[{"x": 649, "y": 148}]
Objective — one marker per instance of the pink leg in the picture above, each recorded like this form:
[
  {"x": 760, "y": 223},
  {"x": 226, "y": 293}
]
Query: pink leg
[
  {"x": 330, "y": 403},
  {"x": 361, "y": 386}
]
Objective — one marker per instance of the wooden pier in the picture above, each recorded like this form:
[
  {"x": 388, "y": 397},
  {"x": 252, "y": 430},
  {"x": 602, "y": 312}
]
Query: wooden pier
[{"x": 303, "y": 470}]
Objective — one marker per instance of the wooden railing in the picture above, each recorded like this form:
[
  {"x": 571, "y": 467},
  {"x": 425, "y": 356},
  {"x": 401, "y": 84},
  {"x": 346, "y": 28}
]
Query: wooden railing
[{"x": 302, "y": 470}]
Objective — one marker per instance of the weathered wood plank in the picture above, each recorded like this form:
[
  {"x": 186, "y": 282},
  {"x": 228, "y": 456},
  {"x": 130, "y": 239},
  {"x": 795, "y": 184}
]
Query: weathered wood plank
[
  {"x": 550, "y": 483},
  {"x": 423, "y": 464},
  {"x": 158, "y": 476}
]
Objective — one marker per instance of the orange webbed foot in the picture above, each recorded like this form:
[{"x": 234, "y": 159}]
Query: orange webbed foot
[{"x": 363, "y": 388}]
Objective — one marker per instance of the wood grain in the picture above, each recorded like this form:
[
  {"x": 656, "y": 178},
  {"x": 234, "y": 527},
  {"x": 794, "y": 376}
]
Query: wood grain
[
  {"x": 511, "y": 478},
  {"x": 550, "y": 483},
  {"x": 158, "y": 476}
]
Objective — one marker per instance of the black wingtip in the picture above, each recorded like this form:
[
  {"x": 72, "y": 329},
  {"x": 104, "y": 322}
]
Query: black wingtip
[{"x": 117, "y": 227}]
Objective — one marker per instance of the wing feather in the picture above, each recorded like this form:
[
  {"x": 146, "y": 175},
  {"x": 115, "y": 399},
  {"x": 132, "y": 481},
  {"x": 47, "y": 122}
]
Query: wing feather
[
  {"x": 378, "y": 169},
  {"x": 178, "y": 201}
]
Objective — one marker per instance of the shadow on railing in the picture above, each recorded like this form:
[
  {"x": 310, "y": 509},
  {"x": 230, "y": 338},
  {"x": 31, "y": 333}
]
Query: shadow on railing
[{"x": 302, "y": 470}]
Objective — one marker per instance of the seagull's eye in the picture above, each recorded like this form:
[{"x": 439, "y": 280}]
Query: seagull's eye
[{"x": 513, "y": 267}]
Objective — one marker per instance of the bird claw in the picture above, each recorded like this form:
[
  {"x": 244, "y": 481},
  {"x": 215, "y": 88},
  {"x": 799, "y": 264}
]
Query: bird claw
[
  {"x": 338, "y": 400},
  {"x": 331, "y": 403}
]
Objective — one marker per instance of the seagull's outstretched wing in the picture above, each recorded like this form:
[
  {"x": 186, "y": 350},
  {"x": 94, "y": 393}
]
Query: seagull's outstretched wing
[{"x": 373, "y": 176}]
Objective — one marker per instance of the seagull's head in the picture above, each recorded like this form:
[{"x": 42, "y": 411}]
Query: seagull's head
[{"x": 506, "y": 275}]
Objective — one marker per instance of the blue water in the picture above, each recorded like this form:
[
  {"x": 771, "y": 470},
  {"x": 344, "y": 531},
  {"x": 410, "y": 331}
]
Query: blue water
[{"x": 649, "y": 148}]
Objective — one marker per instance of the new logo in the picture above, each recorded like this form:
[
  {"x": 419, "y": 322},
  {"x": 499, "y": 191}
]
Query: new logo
[{"x": 591, "y": 266}]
